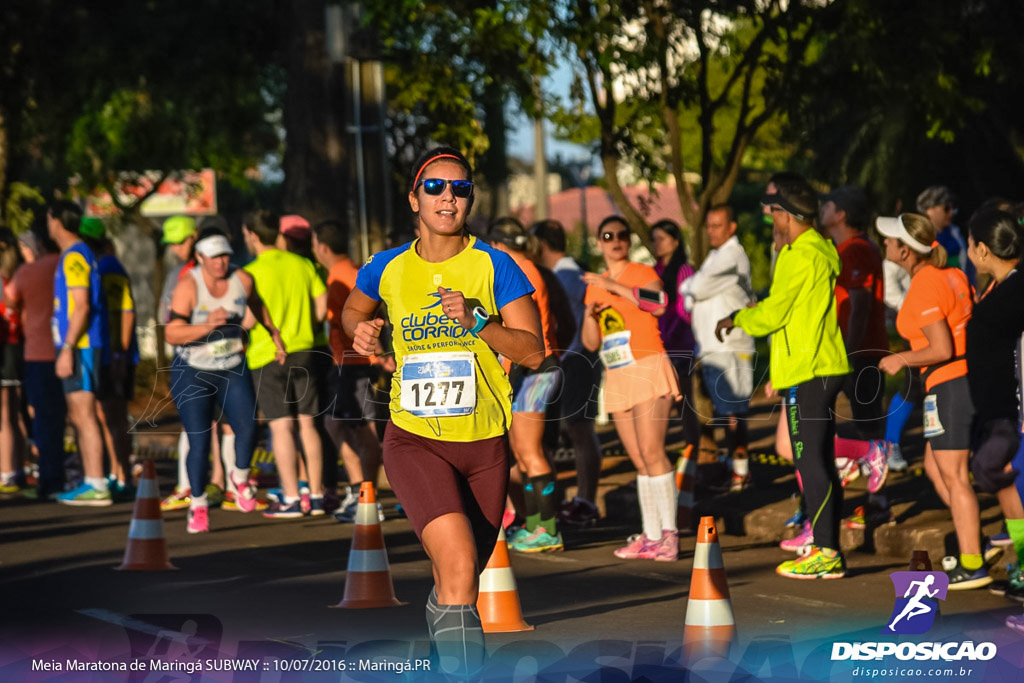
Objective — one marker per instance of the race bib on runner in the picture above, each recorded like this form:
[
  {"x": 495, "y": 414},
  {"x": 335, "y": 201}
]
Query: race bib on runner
[
  {"x": 932, "y": 426},
  {"x": 439, "y": 384},
  {"x": 616, "y": 351},
  {"x": 224, "y": 347}
]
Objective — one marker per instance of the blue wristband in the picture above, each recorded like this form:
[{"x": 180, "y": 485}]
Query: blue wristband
[{"x": 480, "y": 313}]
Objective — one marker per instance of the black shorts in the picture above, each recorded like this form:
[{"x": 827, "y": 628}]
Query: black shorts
[
  {"x": 117, "y": 379},
  {"x": 956, "y": 413},
  {"x": 581, "y": 375},
  {"x": 12, "y": 365},
  {"x": 288, "y": 390},
  {"x": 349, "y": 393}
]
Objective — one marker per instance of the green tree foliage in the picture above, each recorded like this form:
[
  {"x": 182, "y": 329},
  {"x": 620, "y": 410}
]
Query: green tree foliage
[
  {"x": 157, "y": 86},
  {"x": 452, "y": 67},
  {"x": 913, "y": 93},
  {"x": 682, "y": 88}
]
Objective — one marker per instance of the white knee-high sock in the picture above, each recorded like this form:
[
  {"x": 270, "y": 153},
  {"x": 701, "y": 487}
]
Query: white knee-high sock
[
  {"x": 227, "y": 456},
  {"x": 648, "y": 509},
  {"x": 663, "y": 491},
  {"x": 183, "y": 484}
]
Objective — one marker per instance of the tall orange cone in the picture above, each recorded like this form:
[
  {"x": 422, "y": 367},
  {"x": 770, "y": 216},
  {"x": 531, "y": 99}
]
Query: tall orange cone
[
  {"x": 686, "y": 478},
  {"x": 147, "y": 548},
  {"x": 710, "y": 627},
  {"x": 368, "y": 583},
  {"x": 498, "y": 602}
]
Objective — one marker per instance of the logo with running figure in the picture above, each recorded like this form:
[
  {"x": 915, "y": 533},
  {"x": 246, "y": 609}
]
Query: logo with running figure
[{"x": 917, "y": 601}]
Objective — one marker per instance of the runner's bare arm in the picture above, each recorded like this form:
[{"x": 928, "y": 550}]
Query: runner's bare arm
[
  {"x": 320, "y": 307},
  {"x": 260, "y": 313},
  {"x": 940, "y": 349},
  {"x": 518, "y": 338},
  {"x": 359, "y": 324},
  {"x": 179, "y": 331},
  {"x": 627, "y": 293},
  {"x": 591, "y": 334}
]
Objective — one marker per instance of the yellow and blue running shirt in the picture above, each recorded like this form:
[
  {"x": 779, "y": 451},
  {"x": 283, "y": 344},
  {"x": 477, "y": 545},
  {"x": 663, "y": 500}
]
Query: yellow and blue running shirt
[
  {"x": 117, "y": 289},
  {"x": 78, "y": 269},
  {"x": 409, "y": 286}
]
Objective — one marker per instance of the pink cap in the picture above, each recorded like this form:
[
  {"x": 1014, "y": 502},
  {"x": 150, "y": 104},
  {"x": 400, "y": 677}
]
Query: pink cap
[{"x": 295, "y": 226}]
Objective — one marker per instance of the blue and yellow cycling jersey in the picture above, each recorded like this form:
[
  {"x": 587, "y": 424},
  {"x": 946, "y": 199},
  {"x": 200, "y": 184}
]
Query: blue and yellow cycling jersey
[
  {"x": 78, "y": 269},
  {"x": 437, "y": 358},
  {"x": 117, "y": 291}
]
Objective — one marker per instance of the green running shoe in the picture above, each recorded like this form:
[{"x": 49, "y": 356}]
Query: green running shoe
[
  {"x": 540, "y": 541},
  {"x": 814, "y": 565}
]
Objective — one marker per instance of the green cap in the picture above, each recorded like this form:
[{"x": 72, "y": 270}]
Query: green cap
[
  {"x": 92, "y": 227},
  {"x": 178, "y": 228}
]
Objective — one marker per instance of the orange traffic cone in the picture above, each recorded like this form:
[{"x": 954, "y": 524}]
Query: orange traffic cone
[
  {"x": 368, "y": 583},
  {"x": 920, "y": 562},
  {"x": 147, "y": 548},
  {"x": 686, "y": 477},
  {"x": 498, "y": 602},
  {"x": 710, "y": 627}
]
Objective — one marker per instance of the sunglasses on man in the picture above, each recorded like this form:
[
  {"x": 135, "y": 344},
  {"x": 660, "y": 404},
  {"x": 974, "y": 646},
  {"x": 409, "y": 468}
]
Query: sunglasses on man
[
  {"x": 435, "y": 187},
  {"x": 621, "y": 235}
]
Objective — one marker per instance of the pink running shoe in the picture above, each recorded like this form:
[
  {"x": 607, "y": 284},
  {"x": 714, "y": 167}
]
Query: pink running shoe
[
  {"x": 878, "y": 462},
  {"x": 801, "y": 541},
  {"x": 848, "y": 471},
  {"x": 246, "y": 498},
  {"x": 635, "y": 544},
  {"x": 198, "y": 520},
  {"x": 665, "y": 550},
  {"x": 508, "y": 518}
]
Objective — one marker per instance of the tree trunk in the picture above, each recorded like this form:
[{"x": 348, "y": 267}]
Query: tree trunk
[
  {"x": 316, "y": 176},
  {"x": 610, "y": 164},
  {"x": 495, "y": 162},
  {"x": 4, "y": 154}
]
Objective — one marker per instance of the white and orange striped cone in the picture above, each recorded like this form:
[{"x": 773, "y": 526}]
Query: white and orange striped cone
[
  {"x": 686, "y": 478},
  {"x": 368, "y": 583},
  {"x": 147, "y": 548},
  {"x": 710, "y": 627},
  {"x": 498, "y": 602}
]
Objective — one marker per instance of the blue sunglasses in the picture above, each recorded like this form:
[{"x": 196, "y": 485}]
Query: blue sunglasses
[{"x": 462, "y": 189}]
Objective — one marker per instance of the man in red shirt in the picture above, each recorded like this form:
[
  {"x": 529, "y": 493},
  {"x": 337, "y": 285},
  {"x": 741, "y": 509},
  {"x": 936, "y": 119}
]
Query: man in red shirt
[
  {"x": 30, "y": 291},
  {"x": 349, "y": 382},
  {"x": 860, "y": 304}
]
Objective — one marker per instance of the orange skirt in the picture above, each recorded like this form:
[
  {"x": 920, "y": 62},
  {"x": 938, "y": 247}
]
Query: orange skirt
[{"x": 648, "y": 378}]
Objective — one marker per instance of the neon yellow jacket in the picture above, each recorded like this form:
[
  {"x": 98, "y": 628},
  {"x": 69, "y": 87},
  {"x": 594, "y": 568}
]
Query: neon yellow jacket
[{"x": 800, "y": 314}]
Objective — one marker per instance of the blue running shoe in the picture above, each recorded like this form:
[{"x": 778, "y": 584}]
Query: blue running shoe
[
  {"x": 85, "y": 495},
  {"x": 1001, "y": 539},
  {"x": 797, "y": 520},
  {"x": 282, "y": 511},
  {"x": 961, "y": 579}
]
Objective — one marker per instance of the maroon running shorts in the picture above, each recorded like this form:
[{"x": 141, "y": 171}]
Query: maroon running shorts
[{"x": 433, "y": 478}]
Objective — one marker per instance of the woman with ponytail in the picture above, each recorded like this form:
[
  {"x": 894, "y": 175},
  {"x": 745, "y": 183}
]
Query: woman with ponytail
[
  {"x": 995, "y": 333},
  {"x": 933, "y": 319}
]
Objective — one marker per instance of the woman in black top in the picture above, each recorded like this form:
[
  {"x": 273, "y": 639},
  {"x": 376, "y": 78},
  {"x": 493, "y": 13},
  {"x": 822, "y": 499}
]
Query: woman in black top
[{"x": 995, "y": 343}]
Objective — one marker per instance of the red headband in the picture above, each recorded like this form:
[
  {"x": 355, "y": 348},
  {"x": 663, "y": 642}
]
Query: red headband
[{"x": 428, "y": 162}]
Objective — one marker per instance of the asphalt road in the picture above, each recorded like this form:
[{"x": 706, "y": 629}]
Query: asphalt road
[{"x": 261, "y": 587}]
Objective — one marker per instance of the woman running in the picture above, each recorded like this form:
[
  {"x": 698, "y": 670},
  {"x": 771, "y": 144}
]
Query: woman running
[
  {"x": 640, "y": 384},
  {"x": 808, "y": 363},
  {"x": 209, "y": 368},
  {"x": 454, "y": 304},
  {"x": 674, "y": 325},
  {"x": 532, "y": 391},
  {"x": 933, "y": 319},
  {"x": 995, "y": 332}
]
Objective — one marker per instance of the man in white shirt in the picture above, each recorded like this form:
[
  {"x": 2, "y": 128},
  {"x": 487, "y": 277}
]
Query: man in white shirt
[{"x": 717, "y": 290}]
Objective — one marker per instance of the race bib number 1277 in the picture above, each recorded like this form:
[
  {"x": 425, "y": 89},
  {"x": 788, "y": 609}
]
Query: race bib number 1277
[{"x": 439, "y": 384}]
